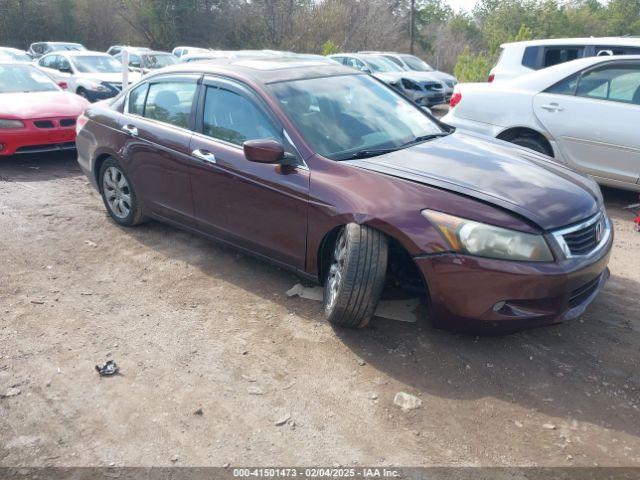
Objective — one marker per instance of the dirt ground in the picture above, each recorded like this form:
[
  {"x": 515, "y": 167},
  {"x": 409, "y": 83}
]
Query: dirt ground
[{"x": 198, "y": 327}]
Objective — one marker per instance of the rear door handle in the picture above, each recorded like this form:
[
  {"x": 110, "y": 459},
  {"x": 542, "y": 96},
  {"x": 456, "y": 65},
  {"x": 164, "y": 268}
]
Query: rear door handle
[
  {"x": 204, "y": 155},
  {"x": 552, "y": 107},
  {"x": 131, "y": 130}
]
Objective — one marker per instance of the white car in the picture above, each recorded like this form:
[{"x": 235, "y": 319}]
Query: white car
[
  {"x": 8, "y": 54},
  {"x": 144, "y": 61},
  {"x": 585, "y": 113},
  {"x": 92, "y": 75},
  {"x": 520, "y": 58},
  {"x": 180, "y": 51},
  {"x": 411, "y": 63}
]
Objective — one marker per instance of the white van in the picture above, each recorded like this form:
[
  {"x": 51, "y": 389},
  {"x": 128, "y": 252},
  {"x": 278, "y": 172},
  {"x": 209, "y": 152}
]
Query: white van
[{"x": 518, "y": 58}]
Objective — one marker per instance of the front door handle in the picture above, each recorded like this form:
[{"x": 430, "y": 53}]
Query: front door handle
[
  {"x": 131, "y": 130},
  {"x": 204, "y": 155},
  {"x": 552, "y": 107}
]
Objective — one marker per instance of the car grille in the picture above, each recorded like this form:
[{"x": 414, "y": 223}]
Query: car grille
[
  {"x": 580, "y": 294},
  {"x": 432, "y": 86},
  {"x": 582, "y": 241},
  {"x": 64, "y": 122},
  {"x": 47, "y": 147},
  {"x": 43, "y": 124}
]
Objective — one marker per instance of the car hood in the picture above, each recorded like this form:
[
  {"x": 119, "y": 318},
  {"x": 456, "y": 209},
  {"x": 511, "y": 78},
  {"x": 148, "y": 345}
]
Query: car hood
[
  {"x": 513, "y": 178},
  {"x": 444, "y": 76},
  {"x": 33, "y": 105},
  {"x": 415, "y": 76}
]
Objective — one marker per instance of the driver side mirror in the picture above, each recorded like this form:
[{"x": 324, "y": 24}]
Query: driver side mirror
[{"x": 264, "y": 150}]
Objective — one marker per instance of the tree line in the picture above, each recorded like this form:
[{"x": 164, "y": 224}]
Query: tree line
[{"x": 463, "y": 42}]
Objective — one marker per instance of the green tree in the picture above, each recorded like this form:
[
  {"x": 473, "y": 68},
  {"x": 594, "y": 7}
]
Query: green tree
[{"x": 473, "y": 67}]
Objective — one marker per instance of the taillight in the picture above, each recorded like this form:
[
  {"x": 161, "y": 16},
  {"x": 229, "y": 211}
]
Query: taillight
[
  {"x": 455, "y": 99},
  {"x": 491, "y": 77},
  {"x": 81, "y": 122},
  {"x": 63, "y": 85}
]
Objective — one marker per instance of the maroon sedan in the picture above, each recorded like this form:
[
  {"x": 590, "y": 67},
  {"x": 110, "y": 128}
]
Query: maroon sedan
[{"x": 330, "y": 173}]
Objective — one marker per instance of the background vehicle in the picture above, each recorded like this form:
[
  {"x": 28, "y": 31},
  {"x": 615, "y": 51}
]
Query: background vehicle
[
  {"x": 92, "y": 75},
  {"x": 584, "y": 113},
  {"x": 296, "y": 162},
  {"x": 35, "y": 114},
  {"x": 180, "y": 51},
  {"x": 422, "y": 88},
  {"x": 412, "y": 63},
  {"x": 144, "y": 61},
  {"x": 519, "y": 58},
  {"x": 13, "y": 54},
  {"x": 38, "y": 49},
  {"x": 116, "y": 49}
]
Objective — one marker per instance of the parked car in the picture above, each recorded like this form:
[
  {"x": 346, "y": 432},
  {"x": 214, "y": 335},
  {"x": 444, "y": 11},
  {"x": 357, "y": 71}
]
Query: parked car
[
  {"x": 412, "y": 63},
  {"x": 327, "y": 171},
  {"x": 14, "y": 55},
  {"x": 143, "y": 62},
  {"x": 180, "y": 51},
  {"x": 35, "y": 114},
  {"x": 116, "y": 49},
  {"x": 38, "y": 49},
  {"x": 519, "y": 58},
  {"x": 422, "y": 88},
  {"x": 92, "y": 75},
  {"x": 584, "y": 113}
]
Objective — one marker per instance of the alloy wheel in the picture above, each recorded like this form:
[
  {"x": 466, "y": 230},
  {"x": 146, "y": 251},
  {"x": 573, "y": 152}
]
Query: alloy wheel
[
  {"x": 117, "y": 192},
  {"x": 334, "y": 279}
]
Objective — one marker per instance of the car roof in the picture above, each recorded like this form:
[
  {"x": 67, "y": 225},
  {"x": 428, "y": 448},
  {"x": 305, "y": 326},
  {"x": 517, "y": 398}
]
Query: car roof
[
  {"x": 11, "y": 49},
  {"x": 263, "y": 70},
  {"x": 79, "y": 53},
  {"x": 558, "y": 72},
  {"x": 609, "y": 41}
]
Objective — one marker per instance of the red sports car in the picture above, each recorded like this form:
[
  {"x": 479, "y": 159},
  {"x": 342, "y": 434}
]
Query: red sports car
[{"x": 36, "y": 115}]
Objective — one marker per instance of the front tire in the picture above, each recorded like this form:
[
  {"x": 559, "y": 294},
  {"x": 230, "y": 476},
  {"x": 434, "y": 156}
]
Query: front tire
[
  {"x": 118, "y": 194},
  {"x": 356, "y": 276}
]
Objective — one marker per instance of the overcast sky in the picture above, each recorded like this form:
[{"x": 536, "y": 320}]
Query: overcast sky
[{"x": 457, "y": 5}]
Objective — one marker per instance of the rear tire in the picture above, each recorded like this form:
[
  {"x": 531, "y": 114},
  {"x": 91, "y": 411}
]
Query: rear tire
[
  {"x": 118, "y": 194},
  {"x": 532, "y": 143},
  {"x": 356, "y": 276}
]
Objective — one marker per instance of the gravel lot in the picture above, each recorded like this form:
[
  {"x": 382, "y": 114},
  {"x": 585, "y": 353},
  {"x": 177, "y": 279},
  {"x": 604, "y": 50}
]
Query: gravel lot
[{"x": 213, "y": 354}]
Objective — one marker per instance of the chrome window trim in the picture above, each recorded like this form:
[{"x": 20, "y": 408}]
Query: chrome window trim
[{"x": 558, "y": 235}]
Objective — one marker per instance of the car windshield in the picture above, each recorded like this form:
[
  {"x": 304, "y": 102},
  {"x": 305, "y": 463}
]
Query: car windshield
[
  {"x": 414, "y": 63},
  {"x": 381, "y": 65},
  {"x": 155, "y": 60},
  {"x": 97, "y": 64},
  {"x": 23, "y": 78},
  {"x": 344, "y": 116}
]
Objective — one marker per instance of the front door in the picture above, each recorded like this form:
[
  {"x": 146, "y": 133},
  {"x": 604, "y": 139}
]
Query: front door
[
  {"x": 261, "y": 207},
  {"x": 594, "y": 118}
]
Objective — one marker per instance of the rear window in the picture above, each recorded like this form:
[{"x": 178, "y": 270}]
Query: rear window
[{"x": 530, "y": 57}]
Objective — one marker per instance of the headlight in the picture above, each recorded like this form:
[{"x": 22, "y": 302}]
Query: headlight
[
  {"x": 11, "y": 123},
  {"x": 482, "y": 240}
]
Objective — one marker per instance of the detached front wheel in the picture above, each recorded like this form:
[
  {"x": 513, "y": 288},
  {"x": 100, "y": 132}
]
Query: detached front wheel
[{"x": 356, "y": 276}]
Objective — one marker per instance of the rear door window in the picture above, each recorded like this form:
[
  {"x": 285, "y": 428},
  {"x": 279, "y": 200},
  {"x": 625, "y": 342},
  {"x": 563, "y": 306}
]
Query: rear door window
[
  {"x": 557, "y": 55},
  {"x": 616, "y": 83},
  {"x": 170, "y": 102},
  {"x": 231, "y": 117}
]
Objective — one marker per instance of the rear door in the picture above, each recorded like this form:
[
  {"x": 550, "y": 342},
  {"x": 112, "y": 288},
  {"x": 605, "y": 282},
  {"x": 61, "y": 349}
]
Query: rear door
[
  {"x": 594, "y": 116},
  {"x": 157, "y": 126},
  {"x": 261, "y": 207}
]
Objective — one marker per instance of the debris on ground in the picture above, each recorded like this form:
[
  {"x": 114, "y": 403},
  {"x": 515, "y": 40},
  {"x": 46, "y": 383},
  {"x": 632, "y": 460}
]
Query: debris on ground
[
  {"x": 89, "y": 243},
  {"x": 310, "y": 293},
  {"x": 255, "y": 391},
  {"x": 12, "y": 392},
  {"x": 198, "y": 412},
  {"x": 282, "y": 420},
  {"x": 174, "y": 459},
  {"x": 406, "y": 401},
  {"x": 108, "y": 369},
  {"x": 400, "y": 310},
  {"x": 549, "y": 426}
]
